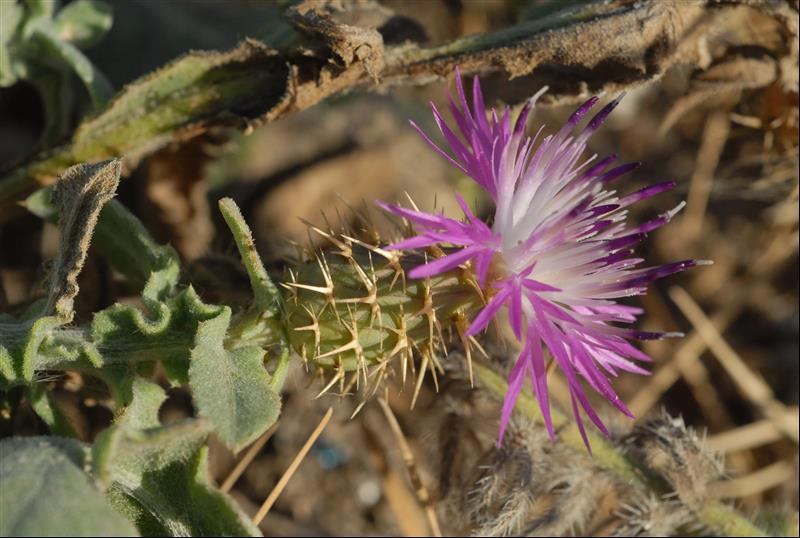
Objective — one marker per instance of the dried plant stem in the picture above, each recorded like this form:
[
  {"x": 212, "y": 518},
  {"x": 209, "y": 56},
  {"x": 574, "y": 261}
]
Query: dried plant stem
[
  {"x": 721, "y": 518},
  {"x": 408, "y": 458},
  {"x": 404, "y": 504},
  {"x": 765, "y": 478},
  {"x": 749, "y": 383},
  {"x": 251, "y": 453},
  {"x": 687, "y": 352},
  {"x": 746, "y": 437},
  {"x": 715, "y": 135},
  {"x": 254, "y": 83},
  {"x": 287, "y": 475}
]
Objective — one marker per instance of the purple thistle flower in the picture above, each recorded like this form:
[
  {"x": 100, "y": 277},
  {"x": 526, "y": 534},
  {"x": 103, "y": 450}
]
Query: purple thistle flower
[{"x": 558, "y": 252}]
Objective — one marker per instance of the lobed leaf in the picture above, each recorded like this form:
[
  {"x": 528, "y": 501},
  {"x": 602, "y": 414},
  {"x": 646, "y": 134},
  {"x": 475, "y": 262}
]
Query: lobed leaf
[
  {"x": 19, "y": 344},
  {"x": 125, "y": 334},
  {"x": 157, "y": 478},
  {"x": 231, "y": 388}
]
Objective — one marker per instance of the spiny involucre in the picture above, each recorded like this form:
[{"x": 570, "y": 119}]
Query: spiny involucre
[
  {"x": 557, "y": 254},
  {"x": 353, "y": 312}
]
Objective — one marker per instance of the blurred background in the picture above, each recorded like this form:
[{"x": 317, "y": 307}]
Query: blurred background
[{"x": 730, "y": 143}]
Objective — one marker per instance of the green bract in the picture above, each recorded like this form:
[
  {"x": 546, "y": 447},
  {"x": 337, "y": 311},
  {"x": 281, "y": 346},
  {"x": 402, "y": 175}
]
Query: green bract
[{"x": 355, "y": 311}]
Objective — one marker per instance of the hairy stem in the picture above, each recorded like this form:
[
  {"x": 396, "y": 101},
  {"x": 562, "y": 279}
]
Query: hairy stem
[
  {"x": 267, "y": 296},
  {"x": 268, "y": 301}
]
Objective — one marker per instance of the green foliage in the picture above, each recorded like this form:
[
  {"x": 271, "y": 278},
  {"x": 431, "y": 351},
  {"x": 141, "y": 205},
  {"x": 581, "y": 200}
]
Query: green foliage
[
  {"x": 121, "y": 337},
  {"x": 20, "y": 340},
  {"x": 266, "y": 294},
  {"x": 162, "y": 486},
  {"x": 157, "y": 478},
  {"x": 153, "y": 474},
  {"x": 352, "y": 314},
  {"x": 119, "y": 237},
  {"x": 231, "y": 388},
  {"x": 84, "y": 22},
  {"x": 44, "y": 48},
  {"x": 174, "y": 101},
  {"x": 146, "y": 398},
  {"x": 47, "y": 492},
  {"x": 125, "y": 335}
]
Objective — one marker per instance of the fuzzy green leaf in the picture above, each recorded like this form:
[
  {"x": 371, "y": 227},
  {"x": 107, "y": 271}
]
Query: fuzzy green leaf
[
  {"x": 267, "y": 297},
  {"x": 121, "y": 338},
  {"x": 146, "y": 399},
  {"x": 231, "y": 388},
  {"x": 121, "y": 238},
  {"x": 99, "y": 88},
  {"x": 41, "y": 9},
  {"x": 84, "y": 22},
  {"x": 126, "y": 335},
  {"x": 157, "y": 478},
  {"x": 196, "y": 90},
  {"x": 19, "y": 344},
  {"x": 11, "y": 14},
  {"x": 45, "y": 491},
  {"x": 46, "y": 51}
]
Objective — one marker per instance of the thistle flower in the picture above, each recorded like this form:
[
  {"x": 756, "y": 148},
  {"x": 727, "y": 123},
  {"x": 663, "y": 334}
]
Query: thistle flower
[{"x": 557, "y": 254}]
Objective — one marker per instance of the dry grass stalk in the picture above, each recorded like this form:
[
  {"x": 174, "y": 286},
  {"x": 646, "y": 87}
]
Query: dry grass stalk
[
  {"x": 746, "y": 437},
  {"x": 751, "y": 385},
  {"x": 765, "y": 478},
  {"x": 715, "y": 135},
  {"x": 278, "y": 489},
  {"x": 408, "y": 458},
  {"x": 251, "y": 453}
]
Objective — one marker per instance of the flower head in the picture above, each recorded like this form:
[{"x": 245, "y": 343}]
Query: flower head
[{"x": 558, "y": 252}]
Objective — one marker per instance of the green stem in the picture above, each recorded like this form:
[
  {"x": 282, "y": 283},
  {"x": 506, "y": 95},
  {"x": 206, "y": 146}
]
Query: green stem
[
  {"x": 723, "y": 519},
  {"x": 124, "y": 241},
  {"x": 281, "y": 369},
  {"x": 269, "y": 303},
  {"x": 726, "y": 521},
  {"x": 266, "y": 293}
]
